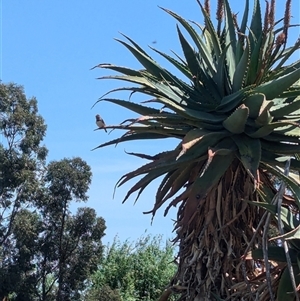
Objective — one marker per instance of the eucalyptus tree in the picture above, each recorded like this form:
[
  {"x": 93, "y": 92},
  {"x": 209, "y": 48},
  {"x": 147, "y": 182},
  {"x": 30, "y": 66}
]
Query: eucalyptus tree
[
  {"x": 22, "y": 160},
  {"x": 47, "y": 252},
  {"x": 22, "y": 157}
]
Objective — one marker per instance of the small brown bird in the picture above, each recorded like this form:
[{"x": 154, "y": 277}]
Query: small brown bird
[{"x": 100, "y": 122}]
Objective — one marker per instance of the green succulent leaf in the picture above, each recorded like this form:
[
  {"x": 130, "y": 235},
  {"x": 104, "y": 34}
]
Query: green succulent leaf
[
  {"x": 254, "y": 70},
  {"x": 264, "y": 116},
  {"x": 197, "y": 142},
  {"x": 293, "y": 234},
  {"x": 232, "y": 101},
  {"x": 285, "y": 289},
  {"x": 288, "y": 108},
  {"x": 190, "y": 139},
  {"x": 120, "y": 69},
  {"x": 230, "y": 39},
  {"x": 256, "y": 24},
  {"x": 292, "y": 185},
  {"x": 151, "y": 66},
  {"x": 276, "y": 254},
  {"x": 132, "y": 137},
  {"x": 213, "y": 34},
  {"x": 189, "y": 54},
  {"x": 255, "y": 103},
  {"x": 220, "y": 77},
  {"x": 243, "y": 26},
  {"x": 140, "y": 109},
  {"x": 211, "y": 175},
  {"x": 203, "y": 51},
  {"x": 180, "y": 66},
  {"x": 289, "y": 220},
  {"x": 266, "y": 130},
  {"x": 241, "y": 70},
  {"x": 168, "y": 187},
  {"x": 249, "y": 153},
  {"x": 280, "y": 148},
  {"x": 236, "y": 122},
  {"x": 274, "y": 88},
  {"x": 144, "y": 182},
  {"x": 277, "y": 159}
]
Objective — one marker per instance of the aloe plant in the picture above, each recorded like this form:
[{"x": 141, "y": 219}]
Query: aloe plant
[
  {"x": 285, "y": 261},
  {"x": 236, "y": 116}
]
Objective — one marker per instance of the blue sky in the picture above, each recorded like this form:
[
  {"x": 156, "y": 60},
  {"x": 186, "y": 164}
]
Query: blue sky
[{"x": 49, "y": 48}]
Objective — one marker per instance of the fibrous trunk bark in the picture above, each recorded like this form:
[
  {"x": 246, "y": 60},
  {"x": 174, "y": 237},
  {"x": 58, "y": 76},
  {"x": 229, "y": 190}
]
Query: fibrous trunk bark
[{"x": 214, "y": 238}]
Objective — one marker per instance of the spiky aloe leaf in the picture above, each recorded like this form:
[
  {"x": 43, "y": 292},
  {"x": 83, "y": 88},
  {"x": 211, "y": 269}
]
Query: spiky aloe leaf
[
  {"x": 256, "y": 24},
  {"x": 287, "y": 109},
  {"x": 287, "y": 53},
  {"x": 232, "y": 101},
  {"x": 236, "y": 122},
  {"x": 190, "y": 139},
  {"x": 144, "y": 182},
  {"x": 280, "y": 148},
  {"x": 230, "y": 39},
  {"x": 124, "y": 70},
  {"x": 255, "y": 103},
  {"x": 189, "y": 54},
  {"x": 174, "y": 183},
  {"x": 241, "y": 70},
  {"x": 150, "y": 65},
  {"x": 140, "y": 109},
  {"x": 197, "y": 40},
  {"x": 274, "y": 88},
  {"x": 270, "y": 157},
  {"x": 285, "y": 289},
  {"x": 293, "y": 234},
  {"x": 245, "y": 18},
  {"x": 220, "y": 77},
  {"x": 288, "y": 219},
  {"x": 264, "y": 116},
  {"x": 292, "y": 185},
  {"x": 142, "y": 136},
  {"x": 249, "y": 152},
  {"x": 196, "y": 143},
  {"x": 276, "y": 254},
  {"x": 269, "y": 128},
  {"x": 183, "y": 68},
  {"x": 254, "y": 70},
  {"x": 133, "y": 79},
  {"x": 219, "y": 158},
  {"x": 213, "y": 34}
]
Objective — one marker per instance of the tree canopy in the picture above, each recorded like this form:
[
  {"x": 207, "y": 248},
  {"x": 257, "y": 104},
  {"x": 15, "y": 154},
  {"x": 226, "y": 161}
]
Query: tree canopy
[
  {"x": 133, "y": 271},
  {"x": 46, "y": 251}
]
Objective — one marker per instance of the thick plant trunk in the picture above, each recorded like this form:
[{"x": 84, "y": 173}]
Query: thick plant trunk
[{"x": 213, "y": 236}]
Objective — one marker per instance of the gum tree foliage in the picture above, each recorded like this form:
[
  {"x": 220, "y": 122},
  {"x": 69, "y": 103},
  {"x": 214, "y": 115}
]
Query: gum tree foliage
[
  {"x": 22, "y": 157},
  {"x": 46, "y": 252}
]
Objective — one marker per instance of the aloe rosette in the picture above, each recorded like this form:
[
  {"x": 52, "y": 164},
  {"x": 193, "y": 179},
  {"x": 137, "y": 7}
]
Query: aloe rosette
[{"x": 236, "y": 115}]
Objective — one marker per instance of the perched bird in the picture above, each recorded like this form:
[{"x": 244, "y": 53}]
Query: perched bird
[{"x": 100, "y": 122}]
